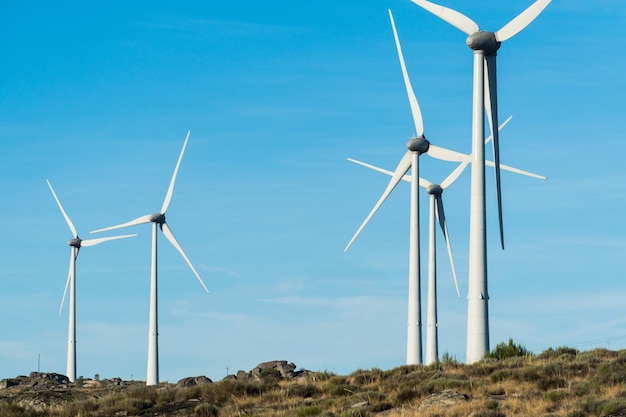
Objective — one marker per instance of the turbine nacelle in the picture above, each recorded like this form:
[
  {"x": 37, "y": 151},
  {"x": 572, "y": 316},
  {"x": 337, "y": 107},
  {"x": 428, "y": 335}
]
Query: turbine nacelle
[
  {"x": 76, "y": 243},
  {"x": 434, "y": 189},
  {"x": 418, "y": 144},
  {"x": 483, "y": 41},
  {"x": 157, "y": 218}
]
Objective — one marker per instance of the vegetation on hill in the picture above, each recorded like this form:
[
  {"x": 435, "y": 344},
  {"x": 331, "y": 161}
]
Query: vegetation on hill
[{"x": 509, "y": 382}]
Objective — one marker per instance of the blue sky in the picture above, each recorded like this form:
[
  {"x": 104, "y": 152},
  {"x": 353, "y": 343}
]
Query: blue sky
[{"x": 98, "y": 99}]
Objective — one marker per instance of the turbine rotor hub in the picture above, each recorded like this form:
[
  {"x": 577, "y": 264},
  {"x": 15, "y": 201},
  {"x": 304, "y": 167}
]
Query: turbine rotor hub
[
  {"x": 483, "y": 41},
  {"x": 75, "y": 242},
  {"x": 157, "y": 218},
  {"x": 434, "y": 189},
  {"x": 418, "y": 144}
]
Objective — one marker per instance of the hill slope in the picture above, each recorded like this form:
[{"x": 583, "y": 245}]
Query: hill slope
[{"x": 558, "y": 382}]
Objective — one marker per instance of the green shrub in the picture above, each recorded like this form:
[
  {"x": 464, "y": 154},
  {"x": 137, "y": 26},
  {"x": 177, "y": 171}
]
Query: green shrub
[
  {"x": 562, "y": 352},
  {"x": 448, "y": 359},
  {"x": 491, "y": 408},
  {"x": 614, "y": 407},
  {"x": 508, "y": 350},
  {"x": 188, "y": 393},
  {"x": 303, "y": 391},
  {"x": 555, "y": 396},
  {"x": 205, "y": 410},
  {"x": 406, "y": 395},
  {"x": 362, "y": 377},
  {"x": 309, "y": 411}
]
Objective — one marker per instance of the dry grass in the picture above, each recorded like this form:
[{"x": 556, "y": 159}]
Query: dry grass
[{"x": 557, "y": 383}]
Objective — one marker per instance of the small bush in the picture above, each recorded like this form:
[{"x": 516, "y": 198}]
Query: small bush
[
  {"x": 615, "y": 407},
  {"x": 508, "y": 350},
  {"x": 491, "y": 408},
  {"x": 555, "y": 396},
  {"x": 562, "y": 352},
  {"x": 406, "y": 395},
  {"x": 309, "y": 411},
  {"x": 205, "y": 410},
  {"x": 303, "y": 391}
]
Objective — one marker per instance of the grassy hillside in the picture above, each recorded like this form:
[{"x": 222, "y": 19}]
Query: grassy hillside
[{"x": 557, "y": 382}]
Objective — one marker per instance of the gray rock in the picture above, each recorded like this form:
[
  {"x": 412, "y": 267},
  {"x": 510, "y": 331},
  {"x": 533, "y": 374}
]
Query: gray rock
[
  {"x": 6, "y": 383},
  {"x": 242, "y": 375},
  {"x": 193, "y": 381},
  {"x": 285, "y": 369},
  {"x": 444, "y": 398},
  {"x": 48, "y": 379}
]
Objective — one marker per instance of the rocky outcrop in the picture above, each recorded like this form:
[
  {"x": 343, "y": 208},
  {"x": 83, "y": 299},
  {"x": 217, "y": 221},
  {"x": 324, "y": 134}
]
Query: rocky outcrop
[
  {"x": 39, "y": 380},
  {"x": 281, "y": 369},
  {"x": 267, "y": 368},
  {"x": 193, "y": 381}
]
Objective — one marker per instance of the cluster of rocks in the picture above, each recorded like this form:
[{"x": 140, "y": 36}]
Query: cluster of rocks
[
  {"x": 41, "y": 379},
  {"x": 46, "y": 380},
  {"x": 271, "y": 369},
  {"x": 282, "y": 369}
]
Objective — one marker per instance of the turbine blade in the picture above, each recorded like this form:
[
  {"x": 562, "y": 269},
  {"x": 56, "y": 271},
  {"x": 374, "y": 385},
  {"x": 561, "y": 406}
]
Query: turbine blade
[
  {"x": 518, "y": 24},
  {"x": 402, "y": 168},
  {"x": 456, "y": 19},
  {"x": 93, "y": 242},
  {"x": 447, "y": 155},
  {"x": 170, "y": 236},
  {"x": 491, "y": 102},
  {"x": 515, "y": 170},
  {"x": 170, "y": 190},
  {"x": 506, "y": 122},
  {"x": 444, "y": 228},
  {"x": 415, "y": 108},
  {"x": 67, "y": 283},
  {"x": 453, "y": 175},
  {"x": 406, "y": 177},
  {"x": 138, "y": 220},
  {"x": 67, "y": 219}
]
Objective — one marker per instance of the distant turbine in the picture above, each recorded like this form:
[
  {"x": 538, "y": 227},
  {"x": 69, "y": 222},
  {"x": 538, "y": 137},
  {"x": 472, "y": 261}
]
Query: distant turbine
[
  {"x": 485, "y": 46},
  {"x": 75, "y": 244},
  {"x": 436, "y": 210},
  {"x": 416, "y": 146},
  {"x": 158, "y": 219}
]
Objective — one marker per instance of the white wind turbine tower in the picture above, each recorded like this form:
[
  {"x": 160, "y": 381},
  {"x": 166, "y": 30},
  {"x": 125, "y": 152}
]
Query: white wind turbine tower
[
  {"x": 75, "y": 244},
  {"x": 416, "y": 146},
  {"x": 485, "y": 46},
  {"x": 436, "y": 211},
  {"x": 158, "y": 220}
]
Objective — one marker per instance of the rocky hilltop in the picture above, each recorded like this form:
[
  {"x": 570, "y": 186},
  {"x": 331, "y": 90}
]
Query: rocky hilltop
[{"x": 43, "y": 392}]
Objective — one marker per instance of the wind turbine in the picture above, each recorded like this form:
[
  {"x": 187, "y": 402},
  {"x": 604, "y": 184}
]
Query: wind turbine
[
  {"x": 485, "y": 46},
  {"x": 158, "y": 220},
  {"x": 436, "y": 211},
  {"x": 75, "y": 244},
  {"x": 416, "y": 146}
]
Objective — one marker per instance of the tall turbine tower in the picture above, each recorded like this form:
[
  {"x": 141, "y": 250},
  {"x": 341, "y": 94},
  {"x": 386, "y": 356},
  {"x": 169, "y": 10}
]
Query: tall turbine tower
[
  {"x": 416, "y": 146},
  {"x": 485, "y": 46},
  {"x": 158, "y": 222},
  {"x": 75, "y": 244},
  {"x": 436, "y": 212}
]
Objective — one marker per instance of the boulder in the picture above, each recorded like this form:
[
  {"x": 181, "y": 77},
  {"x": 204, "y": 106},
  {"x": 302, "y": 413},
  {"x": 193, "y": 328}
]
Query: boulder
[
  {"x": 48, "y": 379},
  {"x": 193, "y": 381},
  {"x": 284, "y": 368}
]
